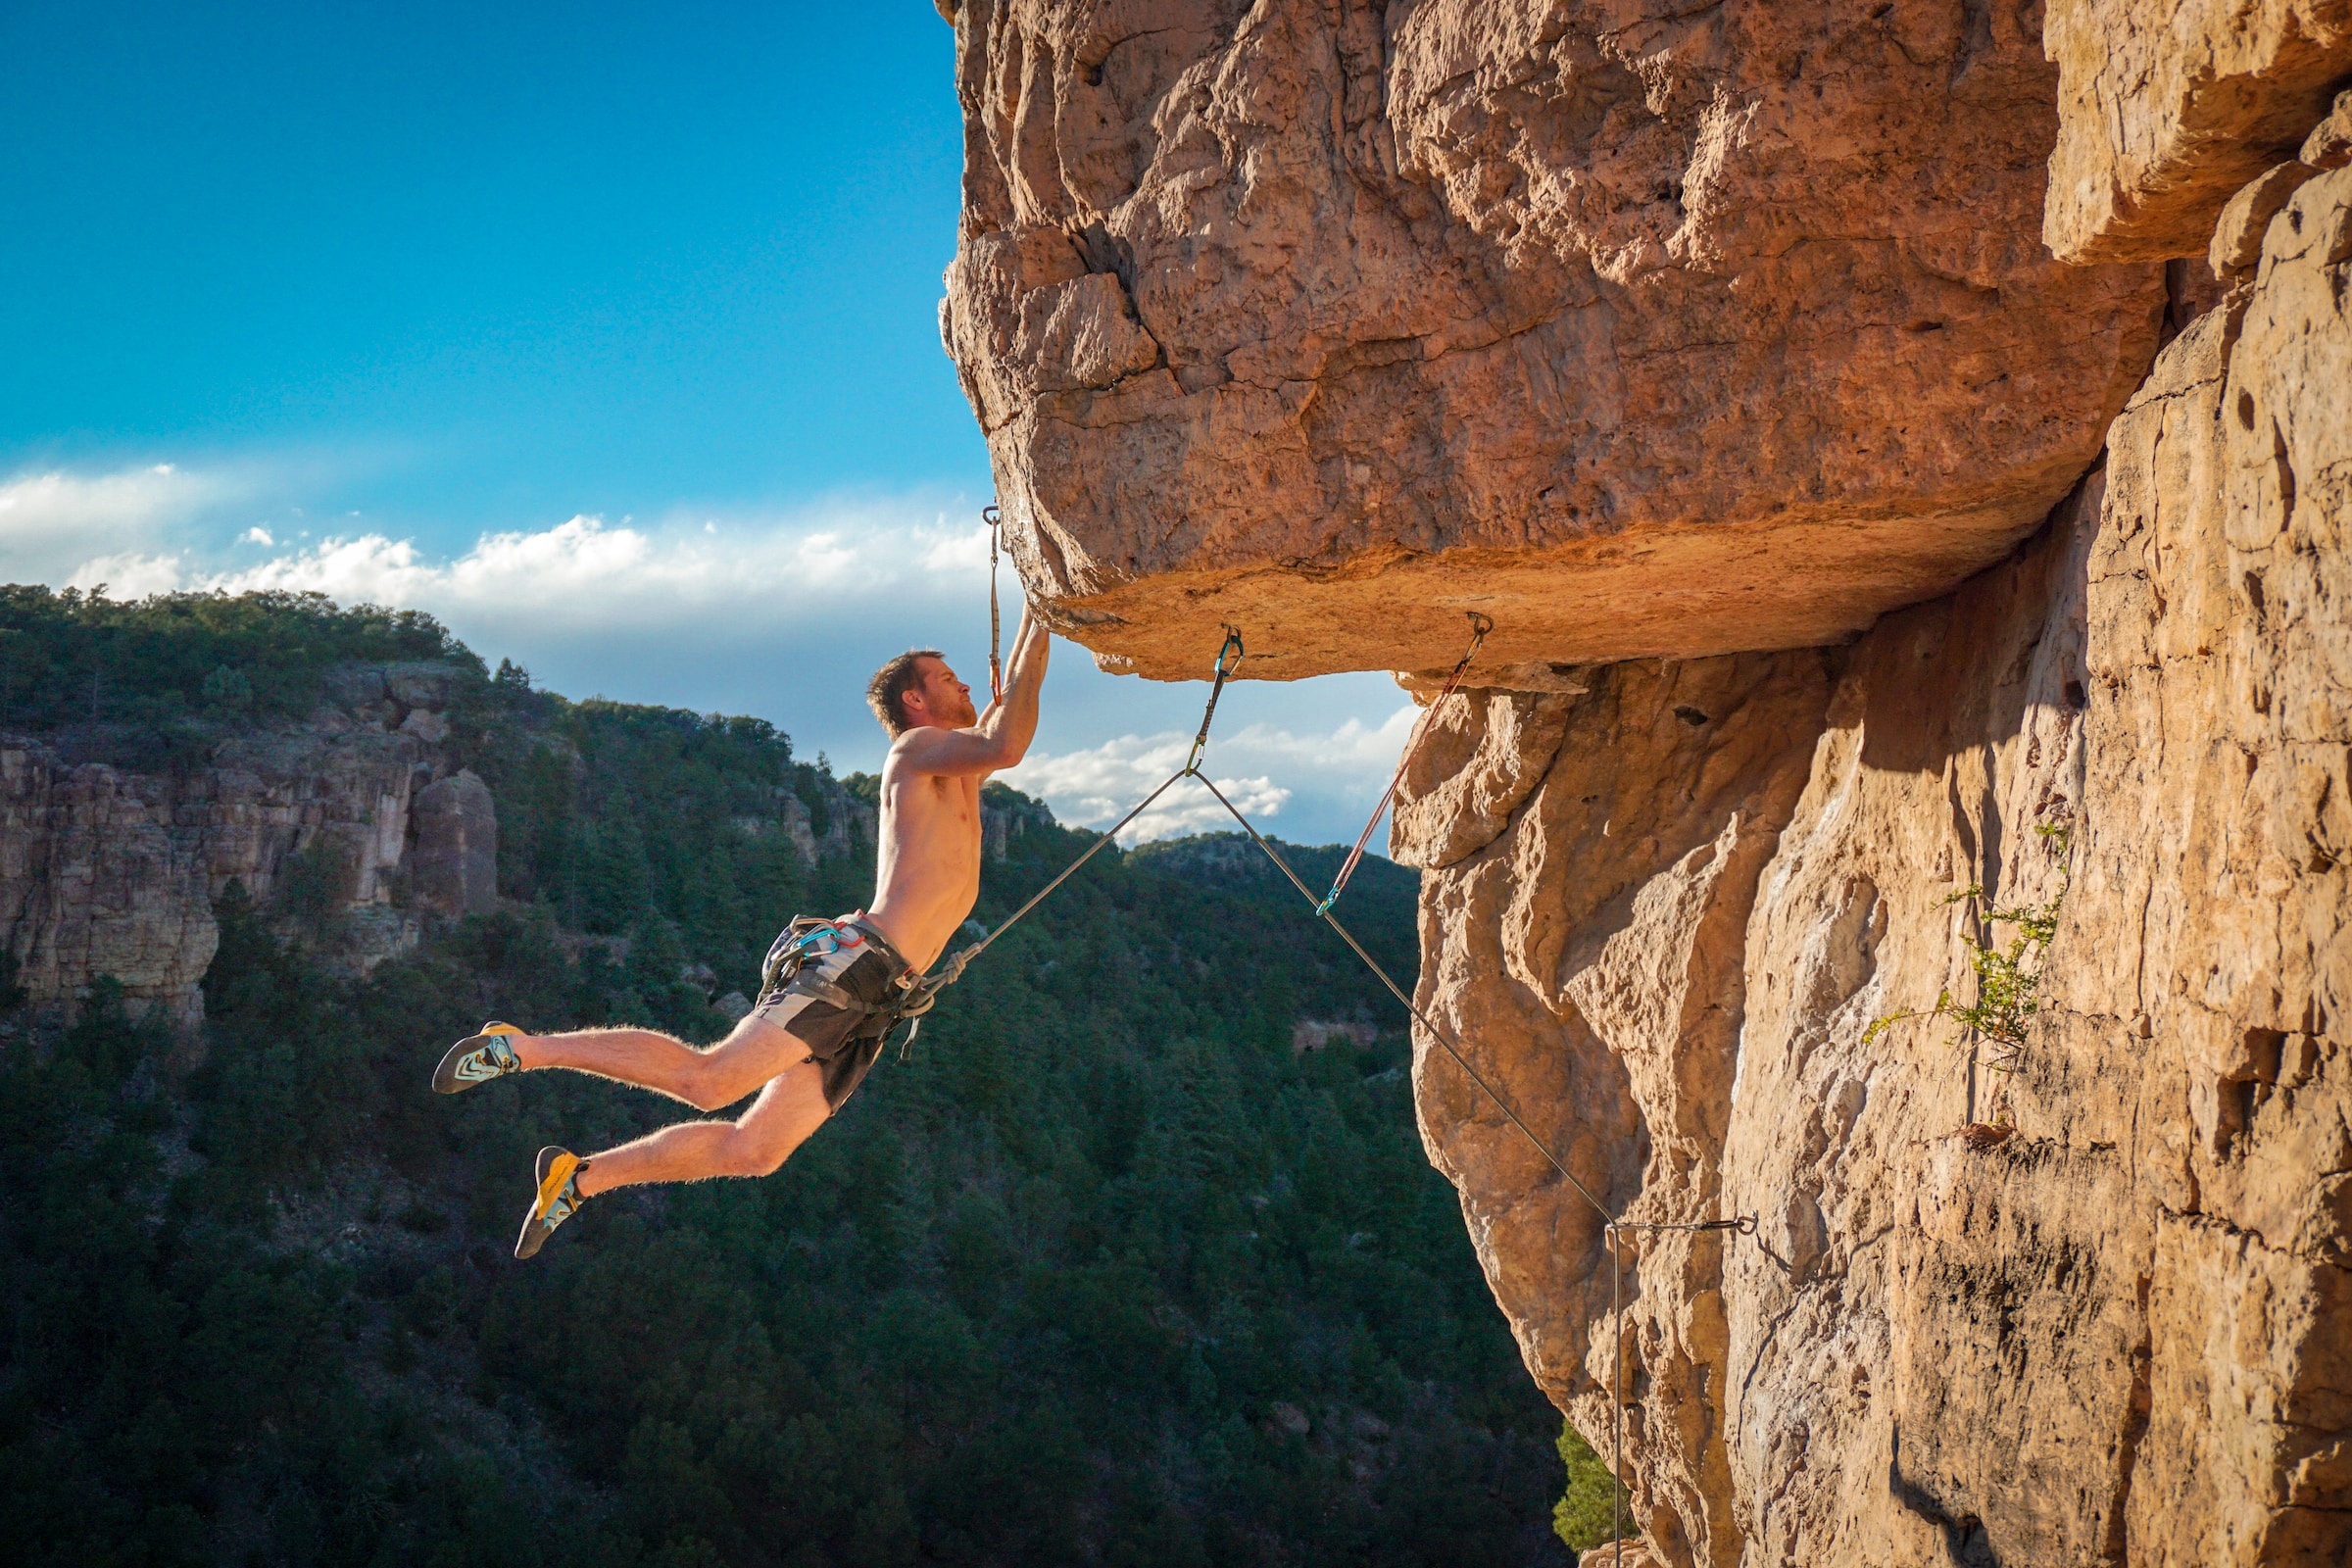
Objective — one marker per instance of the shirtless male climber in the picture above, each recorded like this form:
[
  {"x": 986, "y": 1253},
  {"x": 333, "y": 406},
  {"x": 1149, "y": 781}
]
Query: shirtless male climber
[{"x": 831, "y": 990}]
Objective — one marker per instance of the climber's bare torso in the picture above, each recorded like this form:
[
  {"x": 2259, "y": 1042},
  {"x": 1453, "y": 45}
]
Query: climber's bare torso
[
  {"x": 926, "y": 880},
  {"x": 927, "y": 870}
]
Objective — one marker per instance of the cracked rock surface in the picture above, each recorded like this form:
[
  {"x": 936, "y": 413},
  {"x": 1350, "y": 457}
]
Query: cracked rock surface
[
  {"x": 1646, "y": 329},
  {"x": 1873, "y": 590},
  {"x": 2167, "y": 107}
]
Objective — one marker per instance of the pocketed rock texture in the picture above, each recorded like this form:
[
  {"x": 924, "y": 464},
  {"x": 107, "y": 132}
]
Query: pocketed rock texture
[
  {"x": 2167, "y": 107},
  {"x": 2088, "y": 1300},
  {"x": 1704, "y": 349},
  {"x": 1645, "y": 329}
]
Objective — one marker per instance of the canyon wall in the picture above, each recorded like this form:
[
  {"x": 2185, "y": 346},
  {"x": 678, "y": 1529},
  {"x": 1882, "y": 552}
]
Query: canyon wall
[
  {"x": 1784, "y": 737},
  {"x": 107, "y": 870}
]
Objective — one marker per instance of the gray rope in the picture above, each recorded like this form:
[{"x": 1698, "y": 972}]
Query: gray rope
[{"x": 1434, "y": 1032}]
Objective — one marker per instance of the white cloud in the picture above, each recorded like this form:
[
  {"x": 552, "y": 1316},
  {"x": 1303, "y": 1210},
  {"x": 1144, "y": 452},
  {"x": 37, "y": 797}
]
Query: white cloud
[
  {"x": 1095, "y": 788},
  {"x": 153, "y": 526},
  {"x": 1359, "y": 754},
  {"x": 62, "y": 527},
  {"x": 127, "y": 576},
  {"x": 587, "y": 575}
]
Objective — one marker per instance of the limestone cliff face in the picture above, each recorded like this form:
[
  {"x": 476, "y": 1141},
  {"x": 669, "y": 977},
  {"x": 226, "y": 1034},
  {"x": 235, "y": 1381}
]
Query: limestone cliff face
[
  {"x": 1646, "y": 329},
  {"x": 106, "y": 871},
  {"x": 2167, "y": 107},
  {"x": 2078, "y": 1295},
  {"x": 2087, "y": 1301},
  {"x": 111, "y": 872}
]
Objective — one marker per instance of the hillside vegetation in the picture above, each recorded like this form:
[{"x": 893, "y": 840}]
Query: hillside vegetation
[{"x": 1101, "y": 1271}]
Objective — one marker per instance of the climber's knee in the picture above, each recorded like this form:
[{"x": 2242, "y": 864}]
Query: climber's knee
[{"x": 789, "y": 1109}]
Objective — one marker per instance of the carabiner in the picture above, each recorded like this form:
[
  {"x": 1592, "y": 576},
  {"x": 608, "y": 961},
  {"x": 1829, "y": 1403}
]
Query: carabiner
[{"x": 1232, "y": 645}]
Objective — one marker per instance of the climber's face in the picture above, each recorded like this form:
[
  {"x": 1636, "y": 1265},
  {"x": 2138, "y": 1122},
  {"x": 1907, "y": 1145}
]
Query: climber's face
[{"x": 938, "y": 698}]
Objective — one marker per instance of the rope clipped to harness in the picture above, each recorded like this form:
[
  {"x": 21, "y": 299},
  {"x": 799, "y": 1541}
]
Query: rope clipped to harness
[
  {"x": 1480, "y": 625},
  {"x": 994, "y": 518}
]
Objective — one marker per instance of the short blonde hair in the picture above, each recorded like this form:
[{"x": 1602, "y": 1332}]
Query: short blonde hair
[{"x": 886, "y": 692}]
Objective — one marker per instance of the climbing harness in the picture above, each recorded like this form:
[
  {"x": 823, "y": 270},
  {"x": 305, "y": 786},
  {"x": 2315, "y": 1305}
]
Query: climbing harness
[
  {"x": 924, "y": 995},
  {"x": 994, "y": 518},
  {"x": 1480, "y": 625}
]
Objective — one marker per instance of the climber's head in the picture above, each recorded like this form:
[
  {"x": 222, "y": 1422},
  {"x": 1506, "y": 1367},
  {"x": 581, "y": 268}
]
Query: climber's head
[{"x": 917, "y": 690}]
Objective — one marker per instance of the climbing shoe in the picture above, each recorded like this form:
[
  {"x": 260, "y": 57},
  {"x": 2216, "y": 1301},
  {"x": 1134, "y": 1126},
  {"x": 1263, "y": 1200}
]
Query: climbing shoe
[
  {"x": 477, "y": 1059},
  {"x": 558, "y": 1172}
]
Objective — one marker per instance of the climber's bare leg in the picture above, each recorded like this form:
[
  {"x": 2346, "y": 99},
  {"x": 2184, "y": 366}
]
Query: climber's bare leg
[
  {"x": 754, "y": 1144},
  {"x": 754, "y": 1053}
]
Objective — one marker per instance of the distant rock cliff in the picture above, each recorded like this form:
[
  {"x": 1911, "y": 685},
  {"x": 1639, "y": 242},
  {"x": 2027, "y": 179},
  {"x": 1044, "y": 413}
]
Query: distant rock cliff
[
  {"x": 1718, "y": 335},
  {"x": 112, "y": 872}
]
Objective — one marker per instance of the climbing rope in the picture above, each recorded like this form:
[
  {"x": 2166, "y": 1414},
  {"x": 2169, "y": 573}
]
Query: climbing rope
[
  {"x": 925, "y": 995},
  {"x": 994, "y": 518},
  {"x": 1480, "y": 625},
  {"x": 1434, "y": 1032}
]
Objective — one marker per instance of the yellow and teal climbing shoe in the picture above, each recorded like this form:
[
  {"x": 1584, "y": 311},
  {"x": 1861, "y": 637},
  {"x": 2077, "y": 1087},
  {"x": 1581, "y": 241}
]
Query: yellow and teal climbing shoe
[
  {"x": 477, "y": 1059},
  {"x": 559, "y": 1171}
]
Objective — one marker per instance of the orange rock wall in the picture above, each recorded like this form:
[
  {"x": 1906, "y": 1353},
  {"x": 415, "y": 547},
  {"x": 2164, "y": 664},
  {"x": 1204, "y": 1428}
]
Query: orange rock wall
[
  {"x": 1612, "y": 322},
  {"x": 1643, "y": 329}
]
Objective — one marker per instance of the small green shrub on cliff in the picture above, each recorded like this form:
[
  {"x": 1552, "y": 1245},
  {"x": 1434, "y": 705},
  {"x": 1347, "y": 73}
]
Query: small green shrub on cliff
[
  {"x": 1582, "y": 1517},
  {"x": 2008, "y": 979}
]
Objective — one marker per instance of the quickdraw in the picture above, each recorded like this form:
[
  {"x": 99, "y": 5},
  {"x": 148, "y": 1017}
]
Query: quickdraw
[{"x": 994, "y": 518}]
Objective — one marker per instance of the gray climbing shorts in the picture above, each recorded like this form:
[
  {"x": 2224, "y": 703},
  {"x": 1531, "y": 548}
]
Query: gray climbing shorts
[{"x": 837, "y": 985}]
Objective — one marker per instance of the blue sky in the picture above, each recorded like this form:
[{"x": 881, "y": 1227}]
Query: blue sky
[{"x": 608, "y": 334}]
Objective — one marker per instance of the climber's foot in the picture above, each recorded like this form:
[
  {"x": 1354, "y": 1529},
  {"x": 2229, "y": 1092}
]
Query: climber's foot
[
  {"x": 477, "y": 1059},
  {"x": 558, "y": 1172}
]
